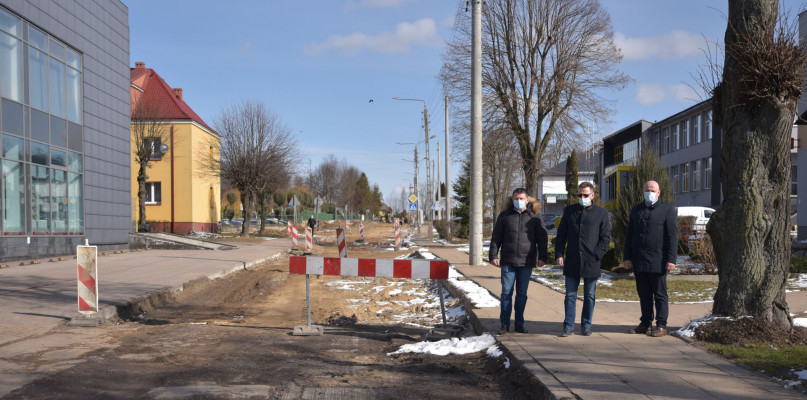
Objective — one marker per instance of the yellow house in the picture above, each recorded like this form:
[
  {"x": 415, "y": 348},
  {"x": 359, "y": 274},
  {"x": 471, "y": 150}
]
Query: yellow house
[{"x": 182, "y": 192}]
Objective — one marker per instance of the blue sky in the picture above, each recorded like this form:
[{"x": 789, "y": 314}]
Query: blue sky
[{"x": 317, "y": 64}]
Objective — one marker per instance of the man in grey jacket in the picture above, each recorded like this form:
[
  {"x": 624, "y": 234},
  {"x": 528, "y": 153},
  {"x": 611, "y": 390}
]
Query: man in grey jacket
[
  {"x": 651, "y": 247},
  {"x": 583, "y": 238},
  {"x": 521, "y": 237}
]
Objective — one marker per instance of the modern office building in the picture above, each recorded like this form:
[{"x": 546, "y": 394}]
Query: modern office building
[
  {"x": 619, "y": 152},
  {"x": 64, "y": 124}
]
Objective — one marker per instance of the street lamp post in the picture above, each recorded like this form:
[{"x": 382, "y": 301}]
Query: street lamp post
[{"x": 428, "y": 169}]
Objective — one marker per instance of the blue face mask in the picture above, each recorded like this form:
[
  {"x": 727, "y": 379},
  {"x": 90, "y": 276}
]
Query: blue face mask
[
  {"x": 650, "y": 197},
  {"x": 585, "y": 201},
  {"x": 520, "y": 204}
]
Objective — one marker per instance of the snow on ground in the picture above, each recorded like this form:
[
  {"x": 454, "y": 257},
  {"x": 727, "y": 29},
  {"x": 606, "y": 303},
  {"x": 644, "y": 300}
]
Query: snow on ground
[
  {"x": 689, "y": 330},
  {"x": 494, "y": 351},
  {"x": 479, "y": 296},
  {"x": 802, "y": 322},
  {"x": 444, "y": 347},
  {"x": 797, "y": 284}
]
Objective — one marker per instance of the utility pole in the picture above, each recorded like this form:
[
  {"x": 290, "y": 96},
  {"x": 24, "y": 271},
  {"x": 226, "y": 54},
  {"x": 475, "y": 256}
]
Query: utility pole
[
  {"x": 448, "y": 181},
  {"x": 419, "y": 221},
  {"x": 437, "y": 185},
  {"x": 475, "y": 245},
  {"x": 428, "y": 174}
]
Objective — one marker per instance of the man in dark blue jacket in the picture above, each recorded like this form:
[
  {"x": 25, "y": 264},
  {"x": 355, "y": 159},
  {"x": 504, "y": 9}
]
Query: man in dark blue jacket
[
  {"x": 651, "y": 247},
  {"x": 583, "y": 237},
  {"x": 521, "y": 237}
]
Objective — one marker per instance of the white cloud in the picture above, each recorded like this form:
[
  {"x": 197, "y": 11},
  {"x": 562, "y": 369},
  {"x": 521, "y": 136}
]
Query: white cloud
[
  {"x": 676, "y": 44},
  {"x": 653, "y": 93},
  {"x": 406, "y": 35},
  {"x": 375, "y": 3}
]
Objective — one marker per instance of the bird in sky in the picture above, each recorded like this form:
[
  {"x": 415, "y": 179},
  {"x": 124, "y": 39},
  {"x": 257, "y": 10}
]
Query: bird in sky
[{"x": 371, "y": 100}]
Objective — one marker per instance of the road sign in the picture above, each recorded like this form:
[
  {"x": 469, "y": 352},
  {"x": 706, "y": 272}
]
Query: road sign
[
  {"x": 413, "y": 207},
  {"x": 294, "y": 201},
  {"x": 413, "y": 199},
  {"x": 318, "y": 201},
  {"x": 434, "y": 206}
]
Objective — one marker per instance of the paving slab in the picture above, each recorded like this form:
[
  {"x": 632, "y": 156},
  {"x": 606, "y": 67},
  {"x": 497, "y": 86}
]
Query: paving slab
[{"x": 611, "y": 364}]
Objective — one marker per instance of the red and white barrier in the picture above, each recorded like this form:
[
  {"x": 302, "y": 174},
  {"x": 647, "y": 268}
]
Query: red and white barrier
[
  {"x": 397, "y": 236},
  {"x": 340, "y": 242},
  {"x": 347, "y": 224},
  {"x": 294, "y": 237},
  {"x": 87, "y": 260},
  {"x": 361, "y": 232},
  {"x": 381, "y": 268},
  {"x": 309, "y": 239},
  {"x": 289, "y": 223}
]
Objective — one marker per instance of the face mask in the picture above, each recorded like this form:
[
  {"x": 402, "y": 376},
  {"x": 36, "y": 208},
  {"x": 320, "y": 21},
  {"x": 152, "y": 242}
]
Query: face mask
[
  {"x": 520, "y": 204},
  {"x": 650, "y": 197},
  {"x": 585, "y": 201}
]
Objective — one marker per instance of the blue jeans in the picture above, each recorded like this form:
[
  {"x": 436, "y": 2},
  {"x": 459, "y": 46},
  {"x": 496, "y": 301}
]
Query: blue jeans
[
  {"x": 570, "y": 304},
  {"x": 520, "y": 278}
]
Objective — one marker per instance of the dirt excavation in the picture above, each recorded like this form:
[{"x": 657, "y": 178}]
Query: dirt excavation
[{"x": 232, "y": 340}]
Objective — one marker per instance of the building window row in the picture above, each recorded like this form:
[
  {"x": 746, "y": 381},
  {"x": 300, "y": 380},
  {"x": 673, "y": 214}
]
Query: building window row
[
  {"x": 692, "y": 176},
  {"x": 41, "y": 131},
  {"x": 682, "y": 134}
]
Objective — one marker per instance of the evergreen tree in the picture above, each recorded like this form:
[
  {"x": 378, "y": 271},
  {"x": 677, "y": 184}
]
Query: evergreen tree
[
  {"x": 462, "y": 199},
  {"x": 648, "y": 167},
  {"x": 571, "y": 178}
]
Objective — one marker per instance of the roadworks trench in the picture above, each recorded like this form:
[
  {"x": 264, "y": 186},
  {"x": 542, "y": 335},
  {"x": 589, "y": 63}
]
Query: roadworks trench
[{"x": 230, "y": 338}]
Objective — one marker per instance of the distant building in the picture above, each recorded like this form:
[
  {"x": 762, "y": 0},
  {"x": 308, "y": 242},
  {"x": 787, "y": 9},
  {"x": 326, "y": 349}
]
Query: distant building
[
  {"x": 64, "y": 124},
  {"x": 619, "y": 153},
  {"x": 552, "y": 183},
  {"x": 182, "y": 194}
]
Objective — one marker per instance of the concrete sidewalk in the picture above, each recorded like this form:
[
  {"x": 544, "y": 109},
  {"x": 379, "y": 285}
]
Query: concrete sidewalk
[{"x": 612, "y": 364}]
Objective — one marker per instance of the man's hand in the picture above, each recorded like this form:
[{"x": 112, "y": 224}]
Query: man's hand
[
  {"x": 559, "y": 261},
  {"x": 670, "y": 267},
  {"x": 541, "y": 263},
  {"x": 627, "y": 264},
  {"x": 495, "y": 262}
]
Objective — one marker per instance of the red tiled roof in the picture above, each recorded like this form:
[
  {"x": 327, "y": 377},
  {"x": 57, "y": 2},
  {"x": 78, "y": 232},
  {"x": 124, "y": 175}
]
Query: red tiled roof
[{"x": 161, "y": 96}]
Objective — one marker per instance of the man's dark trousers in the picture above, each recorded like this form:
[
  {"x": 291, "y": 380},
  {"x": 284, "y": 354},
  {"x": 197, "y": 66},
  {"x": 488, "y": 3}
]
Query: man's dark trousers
[{"x": 652, "y": 289}]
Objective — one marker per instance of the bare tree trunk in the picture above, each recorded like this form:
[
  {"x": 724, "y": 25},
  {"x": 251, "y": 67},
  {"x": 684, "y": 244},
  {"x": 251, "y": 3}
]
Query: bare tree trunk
[
  {"x": 141, "y": 193},
  {"x": 750, "y": 231},
  {"x": 246, "y": 214}
]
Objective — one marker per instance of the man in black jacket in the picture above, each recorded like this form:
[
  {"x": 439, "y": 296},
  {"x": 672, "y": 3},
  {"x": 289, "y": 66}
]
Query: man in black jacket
[
  {"x": 583, "y": 237},
  {"x": 521, "y": 237},
  {"x": 651, "y": 247}
]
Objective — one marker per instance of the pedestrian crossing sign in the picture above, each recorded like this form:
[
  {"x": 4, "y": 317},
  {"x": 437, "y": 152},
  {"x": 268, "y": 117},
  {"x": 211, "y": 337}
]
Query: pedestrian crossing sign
[{"x": 413, "y": 207}]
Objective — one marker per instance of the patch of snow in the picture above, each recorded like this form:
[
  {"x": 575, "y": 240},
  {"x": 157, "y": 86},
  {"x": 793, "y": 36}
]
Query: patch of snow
[
  {"x": 689, "y": 330},
  {"x": 802, "y": 322},
  {"x": 479, "y": 296},
  {"x": 494, "y": 351},
  {"x": 444, "y": 347},
  {"x": 802, "y": 374},
  {"x": 507, "y": 362}
]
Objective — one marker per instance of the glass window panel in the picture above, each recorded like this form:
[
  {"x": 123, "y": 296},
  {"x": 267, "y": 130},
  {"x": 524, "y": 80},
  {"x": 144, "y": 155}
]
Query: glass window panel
[
  {"x": 57, "y": 87},
  {"x": 73, "y": 58},
  {"x": 73, "y": 95},
  {"x": 10, "y": 23},
  {"x": 75, "y": 203},
  {"x": 707, "y": 126},
  {"x": 75, "y": 140},
  {"x": 11, "y": 67},
  {"x": 39, "y": 126},
  {"x": 38, "y": 79},
  {"x": 58, "y": 132},
  {"x": 58, "y": 157},
  {"x": 39, "y": 153},
  {"x": 58, "y": 203},
  {"x": 12, "y": 117},
  {"x": 40, "y": 200},
  {"x": 57, "y": 49},
  {"x": 37, "y": 38},
  {"x": 76, "y": 162},
  {"x": 13, "y": 197},
  {"x": 12, "y": 148}
]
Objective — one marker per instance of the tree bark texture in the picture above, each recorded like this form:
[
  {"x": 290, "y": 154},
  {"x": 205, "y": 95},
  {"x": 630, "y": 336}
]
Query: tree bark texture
[
  {"x": 750, "y": 230},
  {"x": 141, "y": 192}
]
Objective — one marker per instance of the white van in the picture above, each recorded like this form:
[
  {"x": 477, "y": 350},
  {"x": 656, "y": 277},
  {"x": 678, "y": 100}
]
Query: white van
[{"x": 701, "y": 214}]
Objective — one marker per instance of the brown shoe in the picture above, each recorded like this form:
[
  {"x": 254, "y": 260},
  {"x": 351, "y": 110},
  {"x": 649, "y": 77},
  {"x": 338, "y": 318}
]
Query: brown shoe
[
  {"x": 658, "y": 331},
  {"x": 640, "y": 329}
]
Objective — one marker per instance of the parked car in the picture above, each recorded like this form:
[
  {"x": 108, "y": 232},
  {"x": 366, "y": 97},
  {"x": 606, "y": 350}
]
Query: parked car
[
  {"x": 271, "y": 221},
  {"x": 225, "y": 222},
  {"x": 237, "y": 221},
  {"x": 549, "y": 220},
  {"x": 701, "y": 214}
]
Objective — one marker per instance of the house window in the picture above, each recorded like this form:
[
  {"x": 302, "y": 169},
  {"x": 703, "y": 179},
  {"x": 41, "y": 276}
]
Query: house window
[
  {"x": 154, "y": 143},
  {"x": 696, "y": 177},
  {"x": 674, "y": 178},
  {"x": 694, "y": 126},
  {"x": 684, "y": 177},
  {"x": 153, "y": 193},
  {"x": 707, "y": 125},
  {"x": 665, "y": 142},
  {"x": 707, "y": 173},
  {"x": 618, "y": 153},
  {"x": 674, "y": 137},
  {"x": 683, "y": 133}
]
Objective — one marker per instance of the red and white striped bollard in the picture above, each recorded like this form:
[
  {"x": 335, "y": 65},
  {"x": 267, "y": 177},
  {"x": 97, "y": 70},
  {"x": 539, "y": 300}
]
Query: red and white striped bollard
[
  {"x": 340, "y": 241},
  {"x": 309, "y": 235},
  {"x": 397, "y": 237},
  {"x": 87, "y": 260},
  {"x": 361, "y": 232},
  {"x": 294, "y": 237}
]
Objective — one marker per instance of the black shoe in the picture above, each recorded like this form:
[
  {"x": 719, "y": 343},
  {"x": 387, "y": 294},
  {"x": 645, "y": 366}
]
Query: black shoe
[
  {"x": 504, "y": 329},
  {"x": 520, "y": 329}
]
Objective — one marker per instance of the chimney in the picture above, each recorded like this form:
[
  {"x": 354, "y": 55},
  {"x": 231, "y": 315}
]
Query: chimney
[
  {"x": 178, "y": 93},
  {"x": 140, "y": 65}
]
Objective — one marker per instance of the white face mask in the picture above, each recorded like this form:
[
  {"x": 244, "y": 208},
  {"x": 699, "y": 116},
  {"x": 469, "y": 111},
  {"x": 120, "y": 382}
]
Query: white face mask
[
  {"x": 650, "y": 197},
  {"x": 585, "y": 201},
  {"x": 520, "y": 204}
]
